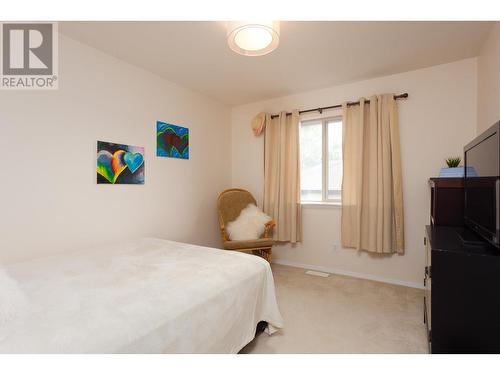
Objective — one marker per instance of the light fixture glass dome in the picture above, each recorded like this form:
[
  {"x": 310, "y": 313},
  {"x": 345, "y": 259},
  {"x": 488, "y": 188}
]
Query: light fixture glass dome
[{"x": 253, "y": 38}]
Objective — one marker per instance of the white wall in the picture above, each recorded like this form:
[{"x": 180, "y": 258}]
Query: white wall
[
  {"x": 435, "y": 122},
  {"x": 488, "y": 96},
  {"x": 49, "y": 199},
  {"x": 50, "y": 202}
]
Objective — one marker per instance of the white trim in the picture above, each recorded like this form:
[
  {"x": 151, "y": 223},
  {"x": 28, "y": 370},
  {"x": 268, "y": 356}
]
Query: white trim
[
  {"x": 358, "y": 275},
  {"x": 321, "y": 204},
  {"x": 324, "y": 159}
]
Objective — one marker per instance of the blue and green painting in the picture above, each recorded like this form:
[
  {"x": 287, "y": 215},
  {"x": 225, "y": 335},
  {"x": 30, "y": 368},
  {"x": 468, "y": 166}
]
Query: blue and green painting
[{"x": 172, "y": 141}]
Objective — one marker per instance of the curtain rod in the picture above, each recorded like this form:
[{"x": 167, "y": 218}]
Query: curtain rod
[{"x": 321, "y": 109}]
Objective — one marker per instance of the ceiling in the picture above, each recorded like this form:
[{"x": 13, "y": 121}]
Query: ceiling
[{"x": 311, "y": 55}]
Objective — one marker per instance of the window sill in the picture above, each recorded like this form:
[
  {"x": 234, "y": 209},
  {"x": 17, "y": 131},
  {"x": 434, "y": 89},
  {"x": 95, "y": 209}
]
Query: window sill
[{"x": 321, "y": 204}]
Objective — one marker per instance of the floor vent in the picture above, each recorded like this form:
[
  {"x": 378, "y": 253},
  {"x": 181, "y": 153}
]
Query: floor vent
[{"x": 317, "y": 273}]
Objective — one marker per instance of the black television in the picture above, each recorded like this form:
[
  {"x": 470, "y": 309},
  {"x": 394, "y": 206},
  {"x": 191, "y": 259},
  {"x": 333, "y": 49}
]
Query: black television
[{"x": 482, "y": 185}]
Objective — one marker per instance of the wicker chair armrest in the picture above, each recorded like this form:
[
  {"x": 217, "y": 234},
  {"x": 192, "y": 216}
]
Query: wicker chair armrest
[
  {"x": 223, "y": 233},
  {"x": 269, "y": 228}
]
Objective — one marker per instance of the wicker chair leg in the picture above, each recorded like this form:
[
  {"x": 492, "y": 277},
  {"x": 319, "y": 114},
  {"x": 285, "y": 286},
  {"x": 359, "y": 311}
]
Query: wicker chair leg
[
  {"x": 263, "y": 253},
  {"x": 257, "y": 253}
]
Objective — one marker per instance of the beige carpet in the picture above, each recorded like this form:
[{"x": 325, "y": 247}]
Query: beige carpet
[{"x": 341, "y": 314}]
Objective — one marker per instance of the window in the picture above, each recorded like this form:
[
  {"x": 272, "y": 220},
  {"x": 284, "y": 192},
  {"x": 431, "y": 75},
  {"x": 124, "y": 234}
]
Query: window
[{"x": 321, "y": 160}]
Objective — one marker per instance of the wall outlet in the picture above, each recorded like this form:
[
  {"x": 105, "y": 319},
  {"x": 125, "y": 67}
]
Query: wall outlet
[{"x": 335, "y": 247}]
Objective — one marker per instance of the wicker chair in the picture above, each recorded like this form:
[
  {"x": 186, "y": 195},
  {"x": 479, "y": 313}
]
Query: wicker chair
[{"x": 229, "y": 205}]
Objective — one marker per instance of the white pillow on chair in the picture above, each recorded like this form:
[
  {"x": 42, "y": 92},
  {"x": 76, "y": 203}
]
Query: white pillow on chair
[
  {"x": 13, "y": 301},
  {"x": 249, "y": 225}
]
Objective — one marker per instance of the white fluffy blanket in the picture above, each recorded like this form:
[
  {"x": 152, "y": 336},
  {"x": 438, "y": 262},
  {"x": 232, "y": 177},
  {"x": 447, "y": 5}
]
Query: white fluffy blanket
[
  {"x": 150, "y": 296},
  {"x": 249, "y": 225}
]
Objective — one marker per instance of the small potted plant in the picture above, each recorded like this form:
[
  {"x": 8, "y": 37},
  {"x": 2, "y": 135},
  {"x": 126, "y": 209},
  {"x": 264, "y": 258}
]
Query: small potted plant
[{"x": 454, "y": 169}]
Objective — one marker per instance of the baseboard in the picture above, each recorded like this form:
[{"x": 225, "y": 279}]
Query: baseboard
[{"x": 348, "y": 273}]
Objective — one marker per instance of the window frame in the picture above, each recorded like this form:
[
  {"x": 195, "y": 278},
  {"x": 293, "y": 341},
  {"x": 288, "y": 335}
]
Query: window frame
[{"x": 324, "y": 120}]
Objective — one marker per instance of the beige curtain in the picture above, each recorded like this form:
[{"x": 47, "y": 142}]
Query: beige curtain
[
  {"x": 372, "y": 195},
  {"x": 282, "y": 176}
]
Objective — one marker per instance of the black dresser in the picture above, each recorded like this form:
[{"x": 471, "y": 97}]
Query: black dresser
[{"x": 462, "y": 301}]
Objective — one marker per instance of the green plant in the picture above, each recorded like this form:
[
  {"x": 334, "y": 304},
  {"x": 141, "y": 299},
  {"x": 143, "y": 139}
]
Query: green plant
[{"x": 453, "y": 162}]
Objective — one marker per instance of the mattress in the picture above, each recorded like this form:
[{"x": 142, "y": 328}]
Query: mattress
[{"x": 146, "y": 296}]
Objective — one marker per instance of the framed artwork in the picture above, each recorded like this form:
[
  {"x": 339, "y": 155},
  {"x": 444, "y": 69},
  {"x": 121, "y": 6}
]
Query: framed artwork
[
  {"x": 119, "y": 164},
  {"x": 172, "y": 141}
]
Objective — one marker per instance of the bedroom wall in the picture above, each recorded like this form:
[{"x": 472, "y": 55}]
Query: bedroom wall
[
  {"x": 488, "y": 84},
  {"x": 435, "y": 122},
  {"x": 50, "y": 201}
]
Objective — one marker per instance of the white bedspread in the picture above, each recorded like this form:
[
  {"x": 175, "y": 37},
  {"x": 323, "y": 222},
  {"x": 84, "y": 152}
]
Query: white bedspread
[{"x": 150, "y": 296}]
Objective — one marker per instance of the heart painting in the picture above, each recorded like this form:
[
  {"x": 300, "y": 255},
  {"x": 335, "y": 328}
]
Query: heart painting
[
  {"x": 119, "y": 164},
  {"x": 172, "y": 140},
  {"x": 133, "y": 160}
]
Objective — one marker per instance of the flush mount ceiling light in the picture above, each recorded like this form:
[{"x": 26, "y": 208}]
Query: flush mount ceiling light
[{"x": 253, "y": 38}]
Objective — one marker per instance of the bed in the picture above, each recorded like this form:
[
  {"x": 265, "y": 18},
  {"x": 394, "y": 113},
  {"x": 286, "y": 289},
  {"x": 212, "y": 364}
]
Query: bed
[{"x": 146, "y": 296}]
